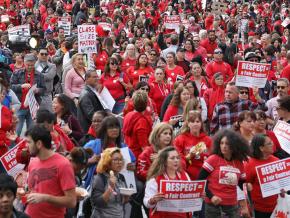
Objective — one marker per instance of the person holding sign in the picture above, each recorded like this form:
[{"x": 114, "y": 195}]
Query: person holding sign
[
  {"x": 262, "y": 150},
  {"x": 224, "y": 170},
  {"x": 172, "y": 70},
  {"x": 165, "y": 167}
]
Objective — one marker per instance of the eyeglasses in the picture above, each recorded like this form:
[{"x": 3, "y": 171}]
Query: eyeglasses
[
  {"x": 153, "y": 54},
  {"x": 244, "y": 93},
  {"x": 218, "y": 52},
  {"x": 145, "y": 89},
  {"x": 43, "y": 54},
  {"x": 118, "y": 160},
  {"x": 113, "y": 63},
  {"x": 281, "y": 87}
]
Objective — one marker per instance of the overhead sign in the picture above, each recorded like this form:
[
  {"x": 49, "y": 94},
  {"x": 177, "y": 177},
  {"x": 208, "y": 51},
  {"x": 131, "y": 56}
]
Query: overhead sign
[
  {"x": 65, "y": 23},
  {"x": 18, "y": 31},
  {"x": 87, "y": 39}
]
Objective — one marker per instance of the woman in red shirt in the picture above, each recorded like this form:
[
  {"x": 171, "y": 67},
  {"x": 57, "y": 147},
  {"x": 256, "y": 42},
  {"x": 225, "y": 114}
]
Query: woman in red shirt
[
  {"x": 193, "y": 145},
  {"x": 224, "y": 170},
  {"x": 142, "y": 71},
  {"x": 245, "y": 125},
  {"x": 260, "y": 127},
  {"x": 129, "y": 57},
  {"x": 19, "y": 62},
  {"x": 160, "y": 137},
  {"x": 165, "y": 167},
  {"x": 189, "y": 50},
  {"x": 159, "y": 88},
  {"x": 117, "y": 83},
  {"x": 262, "y": 147},
  {"x": 173, "y": 71},
  {"x": 101, "y": 57}
]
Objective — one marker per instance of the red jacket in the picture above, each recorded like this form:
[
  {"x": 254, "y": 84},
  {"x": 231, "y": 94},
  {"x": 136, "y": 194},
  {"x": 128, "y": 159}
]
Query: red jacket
[
  {"x": 171, "y": 111},
  {"x": 6, "y": 125},
  {"x": 183, "y": 143},
  {"x": 222, "y": 67},
  {"x": 137, "y": 128},
  {"x": 268, "y": 204},
  {"x": 144, "y": 163}
]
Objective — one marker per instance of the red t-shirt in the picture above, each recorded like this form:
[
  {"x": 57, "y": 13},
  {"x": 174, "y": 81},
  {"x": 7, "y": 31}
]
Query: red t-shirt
[
  {"x": 173, "y": 73},
  {"x": 101, "y": 60},
  {"x": 158, "y": 93},
  {"x": 209, "y": 46},
  {"x": 261, "y": 204},
  {"x": 286, "y": 72},
  {"x": 136, "y": 75},
  {"x": 222, "y": 67},
  {"x": 223, "y": 178},
  {"x": 116, "y": 89},
  {"x": 127, "y": 63},
  {"x": 52, "y": 176}
]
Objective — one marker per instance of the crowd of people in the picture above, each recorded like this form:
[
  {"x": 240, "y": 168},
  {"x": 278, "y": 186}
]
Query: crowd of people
[{"x": 177, "y": 107}]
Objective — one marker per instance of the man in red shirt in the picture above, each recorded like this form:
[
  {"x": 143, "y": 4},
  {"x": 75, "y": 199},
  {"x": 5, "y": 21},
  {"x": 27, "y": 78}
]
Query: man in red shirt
[
  {"x": 218, "y": 65},
  {"x": 51, "y": 180},
  {"x": 210, "y": 44}
]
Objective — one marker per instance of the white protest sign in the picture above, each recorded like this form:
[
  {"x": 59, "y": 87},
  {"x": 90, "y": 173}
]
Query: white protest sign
[
  {"x": 65, "y": 23},
  {"x": 252, "y": 74},
  {"x": 87, "y": 39},
  {"x": 105, "y": 26},
  {"x": 107, "y": 98},
  {"x": 273, "y": 177},
  {"x": 30, "y": 101},
  {"x": 181, "y": 196},
  {"x": 172, "y": 22},
  {"x": 22, "y": 31},
  {"x": 282, "y": 132},
  {"x": 129, "y": 175},
  {"x": 219, "y": 7},
  {"x": 10, "y": 163},
  {"x": 286, "y": 22}
]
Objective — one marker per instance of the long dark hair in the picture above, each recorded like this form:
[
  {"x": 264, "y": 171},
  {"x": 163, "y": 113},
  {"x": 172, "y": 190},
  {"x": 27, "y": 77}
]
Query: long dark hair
[
  {"x": 257, "y": 142},
  {"x": 107, "y": 123},
  {"x": 66, "y": 104},
  {"x": 238, "y": 145}
]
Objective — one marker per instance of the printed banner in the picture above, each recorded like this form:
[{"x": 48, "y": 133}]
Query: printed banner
[
  {"x": 22, "y": 31},
  {"x": 172, "y": 22},
  {"x": 10, "y": 163},
  {"x": 282, "y": 132},
  {"x": 65, "y": 23},
  {"x": 30, "y": 101},
  {"x": 87, "y": 39},
  {"x": 219, "y": 7},
  {"x": 181, "y": 196},
  {"x": 105, "y": 26},
  {"x": 129, "y": 175},
  {"x": 273, "y": 177},
  {"x": 252, "y": 74}
]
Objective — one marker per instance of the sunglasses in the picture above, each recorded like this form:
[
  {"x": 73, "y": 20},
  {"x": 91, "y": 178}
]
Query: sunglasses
[
  {"x": 218, "y": 52},
  {"x": 244, "y": 93},
  {"x": 153, "y": 54},
  {"x": 43, "y": 54},
  {"x": 114, "y": 63},
  {"x": 145, "y": 89},
  {"x": 281, "y": 87}
]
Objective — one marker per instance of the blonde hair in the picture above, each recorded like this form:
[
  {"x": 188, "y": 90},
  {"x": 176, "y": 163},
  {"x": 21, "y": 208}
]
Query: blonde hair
[
  {"x": 154, "y": 138},
  {"x": 104, "y": 164},
  {"x": 126, "y": 51},
  {"x": 74, "y": 57},
  {"x": 191, "y": 105},
  {"x": 192, "y": 116}
]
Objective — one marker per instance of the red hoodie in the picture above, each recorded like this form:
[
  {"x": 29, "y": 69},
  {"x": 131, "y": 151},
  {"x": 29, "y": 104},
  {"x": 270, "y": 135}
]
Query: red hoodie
[
  {"x": 144, "y": 163},
  {"x": 136, "y": 129},
  {"x": 213, "y": 96},
  {"x": 183, "y": 143}
]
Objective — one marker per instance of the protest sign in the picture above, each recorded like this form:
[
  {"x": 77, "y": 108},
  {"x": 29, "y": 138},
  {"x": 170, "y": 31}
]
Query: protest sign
[
  {"x": 18, "y": 31},
  {"x": 87, "y": 39},
  {"x": 219, "y": 7},
  {"x": 105, "y": 26},
  {"x": 31, "y": 102},
  {"x": 286, "y": 22},
  {"x": 181, "y": 196},
  {"x": 129, "y": 175},
  {"x": 172, "y": 22},
  {"x": 252, "y": 74},
  {"x": 143, "y": 78},
  {"x": 282, "y": 132},
  {"x": 65, "y": 23},
  {"x": 273, "y": 177},
  {"x": 107, "y": 98},
  {"x": 10, "y": 163}
]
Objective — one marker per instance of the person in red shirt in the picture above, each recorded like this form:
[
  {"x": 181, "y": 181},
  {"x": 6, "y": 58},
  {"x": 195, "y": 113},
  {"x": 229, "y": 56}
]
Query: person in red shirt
[
  {"x": 210, "y": 44},
  {"x": 129, "y": 58},
  {"x": 101, "y": 58},
  {"x": 117, "y": 84},
  {"x": 218, "y": 65},
  {"x": 160, "y": 137},
  {"x": 137, "y": 126},
  {"x": 159, "y": 88},
  {"x": 286, "y": 71},
  {"x": 224, "y": 170},
  {"x": 141, "y": 72},
  {"x": 193, "y": 144},
  {"x": 262, "y": 147},
  {"x": 51, "y": 180},
  {"x": 173, "y": 71}
]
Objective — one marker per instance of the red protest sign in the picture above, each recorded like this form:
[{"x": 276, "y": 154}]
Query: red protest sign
[
  {"x": 274, "y": 176},
  {"x": 282, "y": 132},
  {"x": 172, "y": 22},
  {"x": 9, "y": 161},
  {"x": 181, "y": 196},
  {"x": 252, "y": 74}
]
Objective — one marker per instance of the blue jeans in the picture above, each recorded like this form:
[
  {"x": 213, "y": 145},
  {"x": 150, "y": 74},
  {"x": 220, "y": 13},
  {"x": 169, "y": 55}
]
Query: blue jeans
[{"x": 23, "y": 115}]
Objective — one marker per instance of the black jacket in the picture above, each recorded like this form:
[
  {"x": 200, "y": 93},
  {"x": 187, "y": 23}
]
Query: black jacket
[{"x": 88, "y": 105}]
